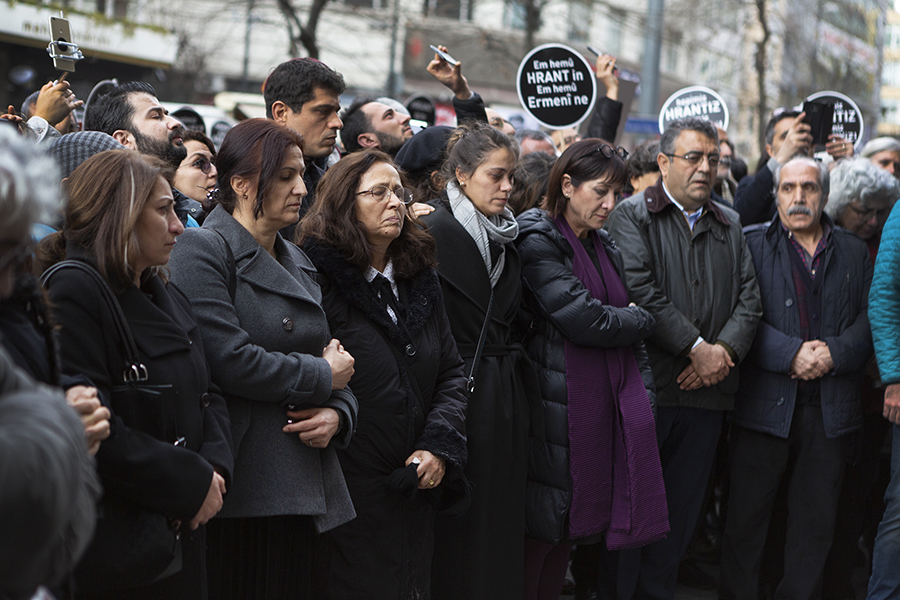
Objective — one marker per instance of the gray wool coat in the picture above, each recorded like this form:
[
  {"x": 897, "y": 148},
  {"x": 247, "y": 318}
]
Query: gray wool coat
[{"x": 264, "y": 349}]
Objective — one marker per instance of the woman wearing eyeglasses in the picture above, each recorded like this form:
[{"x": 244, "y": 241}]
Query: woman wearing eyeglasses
[
  {"x": 282, "y": 373},
  {"x": 596, "y": 475},
  {"x": 196, "y": 176},
  {"x": 480, "y": 277},
  {"x": 406, "y": 459}
]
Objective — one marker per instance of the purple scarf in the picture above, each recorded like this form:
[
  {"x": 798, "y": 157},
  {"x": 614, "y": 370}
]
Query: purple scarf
[{"x": 617, "y": 483}]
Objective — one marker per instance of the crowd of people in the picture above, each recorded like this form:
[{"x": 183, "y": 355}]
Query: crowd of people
[{"x": 335, "y": 358}]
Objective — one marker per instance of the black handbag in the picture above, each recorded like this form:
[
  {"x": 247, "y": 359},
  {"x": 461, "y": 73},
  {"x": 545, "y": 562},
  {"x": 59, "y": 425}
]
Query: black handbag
[{"x": 132, "y": 546}]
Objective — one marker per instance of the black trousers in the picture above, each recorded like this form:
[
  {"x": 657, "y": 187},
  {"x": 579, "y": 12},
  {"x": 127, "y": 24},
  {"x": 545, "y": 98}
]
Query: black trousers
[
  {"x": 687, "y": 440},
  {"x": 815, "y": 466}
]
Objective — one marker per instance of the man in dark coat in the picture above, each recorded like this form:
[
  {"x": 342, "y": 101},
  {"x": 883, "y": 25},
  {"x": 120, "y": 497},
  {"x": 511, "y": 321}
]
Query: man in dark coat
[
  {"x": 800, "y": 397},
  {"x": 687, "y": 263},
  {"x": 303, "y": 94}
]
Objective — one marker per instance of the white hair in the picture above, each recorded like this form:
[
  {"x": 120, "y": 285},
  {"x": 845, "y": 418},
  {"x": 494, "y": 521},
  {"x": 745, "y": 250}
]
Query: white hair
[
  {"x": 29, "y": 186},
  {"x": 858, "y": 179}
]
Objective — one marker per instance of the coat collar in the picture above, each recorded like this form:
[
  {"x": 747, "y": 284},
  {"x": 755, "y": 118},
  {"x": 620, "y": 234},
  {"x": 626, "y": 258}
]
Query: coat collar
[
  {"x": 258, "y": 267},
  {"x": 150, "y": 311},
  {"x": 657, "y": 201},
  {"x": 456, "y": 258},
  {"x": 423, "y": 292}
]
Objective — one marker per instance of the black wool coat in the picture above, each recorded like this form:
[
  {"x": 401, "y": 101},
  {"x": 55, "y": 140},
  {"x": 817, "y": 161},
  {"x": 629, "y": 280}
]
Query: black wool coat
[
  {"x": 140, "y": 462},
  {"x": 385, "y": 553},
  {"x": 472, "y": 560}
]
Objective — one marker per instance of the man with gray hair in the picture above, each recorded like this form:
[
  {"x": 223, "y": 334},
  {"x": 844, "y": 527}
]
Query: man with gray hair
[
  {"x": 533, "y": 140},
  {"x": 686, "y": 262},
  {"x": 883, "y": 152},
  {"x": 799, "y": 398}
]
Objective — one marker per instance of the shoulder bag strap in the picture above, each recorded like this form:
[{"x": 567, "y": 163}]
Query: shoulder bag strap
[
  {"x": 135, "y": 370},
  {"x": 470, "y": 384}
]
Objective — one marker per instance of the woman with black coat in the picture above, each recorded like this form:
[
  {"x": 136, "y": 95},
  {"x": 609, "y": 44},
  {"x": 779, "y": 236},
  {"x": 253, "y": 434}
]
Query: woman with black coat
[
  {"x": 169, "y": 452},
  {"x": 597, "y": 472},
  {"x": 481, "y": 553},
  {"x": 407, "y": 457}
]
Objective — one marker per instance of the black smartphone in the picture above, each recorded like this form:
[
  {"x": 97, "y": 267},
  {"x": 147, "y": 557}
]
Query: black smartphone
[
  {"x": 444, "y": 55},
  {"x": 820, "y": 118}
]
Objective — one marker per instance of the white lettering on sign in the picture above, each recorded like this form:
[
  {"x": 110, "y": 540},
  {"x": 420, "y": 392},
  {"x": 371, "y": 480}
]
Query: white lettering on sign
[
  {"x": 693, "y": 110},
  {"x": 547, "y": 77}
]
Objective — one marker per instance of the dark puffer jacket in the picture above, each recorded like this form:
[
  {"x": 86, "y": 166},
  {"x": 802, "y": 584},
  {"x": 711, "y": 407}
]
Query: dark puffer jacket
[
  {"x": 559, "y": 306},
  {"x": 767, "y": 395}
]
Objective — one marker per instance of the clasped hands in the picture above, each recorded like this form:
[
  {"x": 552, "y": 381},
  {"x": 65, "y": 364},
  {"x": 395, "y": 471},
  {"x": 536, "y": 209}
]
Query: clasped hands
[
  {"x": 710, "y": 364},
  {"x": 812, "y": 361}
]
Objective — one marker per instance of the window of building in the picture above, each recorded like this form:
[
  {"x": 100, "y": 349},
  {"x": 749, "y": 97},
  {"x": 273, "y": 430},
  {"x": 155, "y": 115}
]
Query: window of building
[
  {"x": 672, "y": 57},
  {"x": 615, "y": 25},
  {"x": 579, "y": 21},
  {"x": 890, "y": 74},
  {"x": 449, "y": 9},
  {"x": 377, "y": 4},
  {"x": 514, "y": 15}
]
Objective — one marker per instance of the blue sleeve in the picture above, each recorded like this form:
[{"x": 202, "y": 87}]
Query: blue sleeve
[{"x": 884, "y": 301}]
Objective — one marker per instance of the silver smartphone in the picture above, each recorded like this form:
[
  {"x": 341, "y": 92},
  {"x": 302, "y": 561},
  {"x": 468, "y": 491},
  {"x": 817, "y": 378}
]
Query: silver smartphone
[
  {"x": 444, "y": 55},
  {"x": 61, "y": 43}
]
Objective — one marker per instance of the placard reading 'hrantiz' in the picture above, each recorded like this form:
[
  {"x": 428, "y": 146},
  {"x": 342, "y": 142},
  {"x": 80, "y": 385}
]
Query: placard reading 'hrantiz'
[
  {"x": 695, "y": 101},
  {"x": 556, "y": 86}
]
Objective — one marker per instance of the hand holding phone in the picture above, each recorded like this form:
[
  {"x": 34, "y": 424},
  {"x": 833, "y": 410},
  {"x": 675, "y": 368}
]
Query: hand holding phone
[
  {"x": 448, "y": 71},
  {"x": 443, "y": 54}
]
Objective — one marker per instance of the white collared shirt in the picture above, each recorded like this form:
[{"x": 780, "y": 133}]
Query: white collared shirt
[
  {"x": 371, "y": 273},
  {"x": 692, "y": 217}
]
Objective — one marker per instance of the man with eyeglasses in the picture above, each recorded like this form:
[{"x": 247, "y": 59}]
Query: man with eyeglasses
[
  {"x": 686, "y": 262},
  {"x": 798, "y": 405}
]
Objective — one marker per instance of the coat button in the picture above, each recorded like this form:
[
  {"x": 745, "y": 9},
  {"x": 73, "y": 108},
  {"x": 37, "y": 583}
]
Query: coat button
[
  {"x": 423, "y": 300},
  {"x": 780, "y": 401},
  {"x": 696, "y": 282},
  {"x": 287, "y": 323},
  {"x": 789, "y": 302},
  {"x": 410, "y": 350},
  {"x": 204, "y": 400}
]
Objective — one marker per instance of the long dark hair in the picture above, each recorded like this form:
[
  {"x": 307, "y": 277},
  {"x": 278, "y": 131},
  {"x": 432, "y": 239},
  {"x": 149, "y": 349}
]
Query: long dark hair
[
  {"x": 582, "y": 162},
  {"x": 253, "y": 149},
  {"x": 333, "y": 219}
]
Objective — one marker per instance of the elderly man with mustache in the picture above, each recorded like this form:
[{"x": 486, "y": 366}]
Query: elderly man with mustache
[{"x": 798, "y": 405}]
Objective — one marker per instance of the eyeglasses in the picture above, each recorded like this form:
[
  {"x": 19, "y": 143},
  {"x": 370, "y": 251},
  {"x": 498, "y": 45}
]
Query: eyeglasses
[
  {"x": 695, "y": 158},
  {"x": 866, "y": 214},
  {"x": 608, "y": 151},
  {"x": 15, "y": 256},
  {"x": 204, "y": 164},
  {"x": 380, "y": 193}
]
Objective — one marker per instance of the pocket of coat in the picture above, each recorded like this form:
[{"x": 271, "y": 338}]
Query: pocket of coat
[{"x": 146, "y": 408}]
